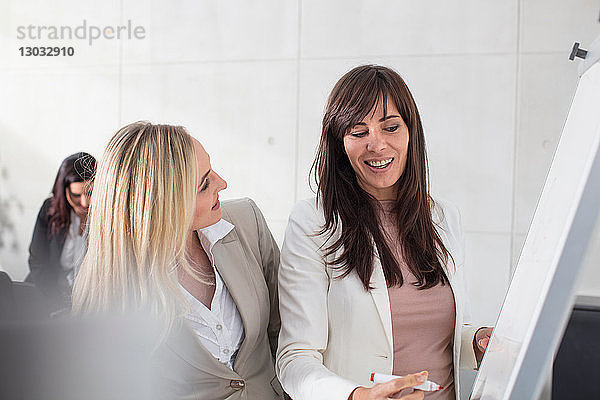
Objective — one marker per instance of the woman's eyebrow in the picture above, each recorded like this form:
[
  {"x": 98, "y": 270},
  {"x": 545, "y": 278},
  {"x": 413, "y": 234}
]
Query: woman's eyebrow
[{"x": 388, "y": 117}]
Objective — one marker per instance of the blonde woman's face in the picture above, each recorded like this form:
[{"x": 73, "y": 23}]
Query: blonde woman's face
[{"x": 208, "y": 207}]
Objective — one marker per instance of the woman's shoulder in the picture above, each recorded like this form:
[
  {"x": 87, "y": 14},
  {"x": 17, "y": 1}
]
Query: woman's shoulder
[
  {"x": 242, "y": 206},
  {"x": 445, "y": 213},
  {"x": 446, "y": 217},
  {"x": 242, "y": 212},
  {"x": 43, "y": 216},
  {"x": 308, "y": 211},
  {"x": 307, "y": 207},
  {"x": 45, "y": 208}
]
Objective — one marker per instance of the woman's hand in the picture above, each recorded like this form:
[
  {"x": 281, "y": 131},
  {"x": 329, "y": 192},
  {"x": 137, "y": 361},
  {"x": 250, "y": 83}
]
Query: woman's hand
[
  {"x": 384, "y": 391},
  {"x": 480, "y": 342}
]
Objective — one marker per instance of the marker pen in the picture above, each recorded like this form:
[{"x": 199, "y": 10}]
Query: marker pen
[{"x": 427, "y": 386}]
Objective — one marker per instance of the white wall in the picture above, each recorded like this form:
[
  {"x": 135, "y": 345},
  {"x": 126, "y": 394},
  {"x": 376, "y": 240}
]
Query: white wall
[{"x": 250, "y": 79}]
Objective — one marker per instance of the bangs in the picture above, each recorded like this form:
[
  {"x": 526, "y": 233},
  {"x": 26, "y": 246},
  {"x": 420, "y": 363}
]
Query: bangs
[{"x": 357, "y": 97}]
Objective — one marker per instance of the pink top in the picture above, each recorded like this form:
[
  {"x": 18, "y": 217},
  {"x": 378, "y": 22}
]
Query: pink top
[{"x": 422, "y": 321}]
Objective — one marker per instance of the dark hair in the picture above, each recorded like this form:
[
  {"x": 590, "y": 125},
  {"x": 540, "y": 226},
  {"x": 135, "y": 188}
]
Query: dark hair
[
  {"x": 345, "y": 202},
  {"x": 78, "y": 167}
]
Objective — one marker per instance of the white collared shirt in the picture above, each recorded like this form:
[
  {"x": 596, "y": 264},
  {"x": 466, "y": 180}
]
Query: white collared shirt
[
  {"x": 220, "y": 328},
  {"x": 74, "y": 249}
]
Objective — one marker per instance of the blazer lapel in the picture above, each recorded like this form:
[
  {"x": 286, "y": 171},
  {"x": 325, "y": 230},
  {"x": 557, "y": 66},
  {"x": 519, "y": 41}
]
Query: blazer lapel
[
  {"x": 380, "y": 296},
  {"x": 233, "y": 266}
]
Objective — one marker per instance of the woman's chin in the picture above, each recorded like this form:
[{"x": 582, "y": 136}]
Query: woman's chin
[
  {"x": 215, "y": 216},
  {"x": 81, "y": 213}
]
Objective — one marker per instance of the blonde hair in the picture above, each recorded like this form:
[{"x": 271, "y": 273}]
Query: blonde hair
[{"x": 140, "y": 215}]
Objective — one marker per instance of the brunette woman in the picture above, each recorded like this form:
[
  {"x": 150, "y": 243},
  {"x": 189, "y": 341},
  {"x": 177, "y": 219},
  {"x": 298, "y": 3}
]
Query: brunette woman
[
  {"x": 371, "y": 278},
  {"x": 59, "y": 237}
]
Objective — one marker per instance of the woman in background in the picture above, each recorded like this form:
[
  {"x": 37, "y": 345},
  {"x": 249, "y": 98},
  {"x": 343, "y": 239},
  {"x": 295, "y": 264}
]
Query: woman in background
[
  {"x": 162, "y": 244},
  {"x": 59, "y": 237},
  {"x": 371, "y": 277}
]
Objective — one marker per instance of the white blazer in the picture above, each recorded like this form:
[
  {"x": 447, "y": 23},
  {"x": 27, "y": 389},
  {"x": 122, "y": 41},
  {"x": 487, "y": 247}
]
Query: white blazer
[{"x": 334, "y": 334}]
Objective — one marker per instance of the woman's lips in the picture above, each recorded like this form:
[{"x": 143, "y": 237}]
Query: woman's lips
[
  {"x": 375, "y": 169},
  {"x": 217, "y": 205}
]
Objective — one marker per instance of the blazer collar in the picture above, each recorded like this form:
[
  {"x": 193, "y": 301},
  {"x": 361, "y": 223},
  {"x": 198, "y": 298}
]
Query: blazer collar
[
  {"x": 232, "y": 264},
  {"x": 211, "y": 235},
  {"x": 380, "y": 296}
]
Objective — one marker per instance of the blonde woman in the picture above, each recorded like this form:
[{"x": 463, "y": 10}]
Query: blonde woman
[{"x": 160, "y": 242}]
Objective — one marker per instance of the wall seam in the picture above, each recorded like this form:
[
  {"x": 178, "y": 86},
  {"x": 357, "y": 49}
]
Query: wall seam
[
  {"x": 120, "y": 73},
  {"x": 513, "y": 223},
  {"x": 297, "y": 128}
]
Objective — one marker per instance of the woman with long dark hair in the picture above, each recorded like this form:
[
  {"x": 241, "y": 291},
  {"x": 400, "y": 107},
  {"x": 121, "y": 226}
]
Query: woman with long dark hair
[
  {"x": 371, "y": 272},
  {"x": 59, "y": 241}
]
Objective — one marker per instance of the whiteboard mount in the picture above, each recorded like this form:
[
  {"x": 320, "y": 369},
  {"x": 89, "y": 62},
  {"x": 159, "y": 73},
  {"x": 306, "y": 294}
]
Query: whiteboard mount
[{"x": 589, "y": 57}]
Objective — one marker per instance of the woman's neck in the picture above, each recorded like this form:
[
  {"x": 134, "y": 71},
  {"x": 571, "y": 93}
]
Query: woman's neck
[
  {"x": 82, "y": 221},
  {"x": 203, "y": 289}
]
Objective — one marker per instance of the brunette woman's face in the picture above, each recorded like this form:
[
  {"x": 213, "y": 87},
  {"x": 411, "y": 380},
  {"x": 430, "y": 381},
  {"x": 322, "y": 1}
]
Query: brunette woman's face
[
  {"x": 377, "y": 148},
  {"x": 208, "y": 207},
  {"x": 78, "y": 196}
]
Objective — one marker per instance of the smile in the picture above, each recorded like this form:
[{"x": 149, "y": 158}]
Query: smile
[{"x": 380, "y": 164}]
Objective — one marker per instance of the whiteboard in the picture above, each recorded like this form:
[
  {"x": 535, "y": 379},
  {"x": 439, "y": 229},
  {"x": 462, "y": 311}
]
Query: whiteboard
[{"x": 541, "y": 293}]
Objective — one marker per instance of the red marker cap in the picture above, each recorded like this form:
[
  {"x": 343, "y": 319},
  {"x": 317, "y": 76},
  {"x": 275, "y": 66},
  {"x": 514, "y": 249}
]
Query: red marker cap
[{"x": 372, "y": 377}]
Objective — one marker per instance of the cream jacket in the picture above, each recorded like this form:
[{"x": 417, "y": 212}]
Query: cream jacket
[{"x": 334, "y": 334}]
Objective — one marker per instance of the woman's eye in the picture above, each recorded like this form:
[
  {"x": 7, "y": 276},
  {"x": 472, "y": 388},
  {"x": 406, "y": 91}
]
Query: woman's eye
[
  {"x": 358, "y": 134},
  {"x": 205, "y": 186},
  {"x": 392, "y": 128}
]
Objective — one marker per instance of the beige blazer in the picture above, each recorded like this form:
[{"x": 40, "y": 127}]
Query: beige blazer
[
  {"x": 334, "y": 334},
  {"x": 247, "y": 259}
]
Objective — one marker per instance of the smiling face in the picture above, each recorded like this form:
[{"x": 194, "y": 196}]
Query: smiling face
[
  {"x": 377, "y": 148},
  {"x": 208, "y": 207},
  {"x": 78, "y": 196}
]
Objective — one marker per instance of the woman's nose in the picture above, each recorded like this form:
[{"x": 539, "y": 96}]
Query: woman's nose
[
  {"x": 376, "y": 141},
  {"x": 222, "y": 183}
]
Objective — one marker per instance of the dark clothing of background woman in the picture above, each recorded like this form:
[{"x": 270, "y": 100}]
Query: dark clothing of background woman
[{"x": 44, "y": 261}]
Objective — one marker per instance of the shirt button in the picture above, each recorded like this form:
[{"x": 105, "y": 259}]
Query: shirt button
[
  {"x": 237, "y": 384},
  {"x": 225, "y": 351},
  {"x": 219, "y": 327}
]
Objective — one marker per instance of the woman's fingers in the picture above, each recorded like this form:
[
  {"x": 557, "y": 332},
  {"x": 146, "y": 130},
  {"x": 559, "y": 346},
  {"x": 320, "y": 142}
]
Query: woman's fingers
[
  {"x": 483, "y": 337},
  {"x": 416, "y": 395},
  {"x": 382, "y": 391},
  {"x": 396, "y": 385},
  {"x": 483, "y": 343}
]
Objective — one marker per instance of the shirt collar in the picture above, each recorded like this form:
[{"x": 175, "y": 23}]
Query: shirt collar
[{"x": 210, "y": 235}]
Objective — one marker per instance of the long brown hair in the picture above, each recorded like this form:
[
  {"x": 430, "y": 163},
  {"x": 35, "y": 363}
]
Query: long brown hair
[
  {"x": 78, "y": 167},
  {"x": 345, "y": 202}
]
